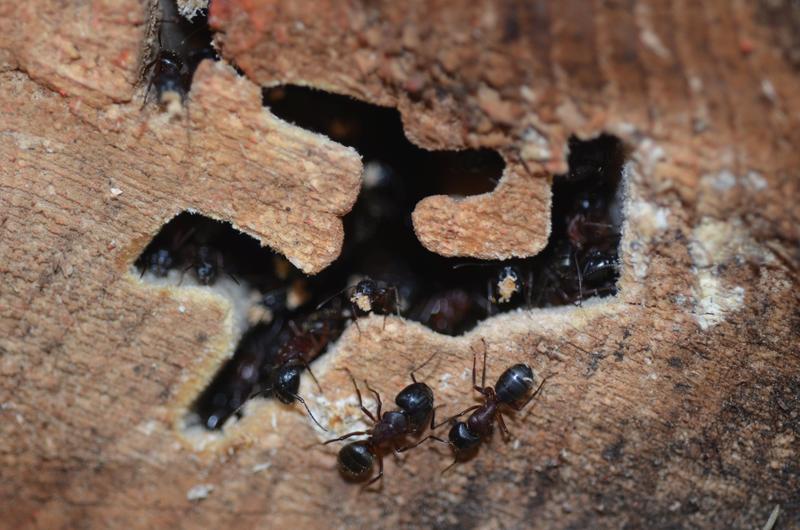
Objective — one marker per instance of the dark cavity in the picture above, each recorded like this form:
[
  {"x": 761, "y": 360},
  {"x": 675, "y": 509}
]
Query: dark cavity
[{"x": 448, "y": 295}]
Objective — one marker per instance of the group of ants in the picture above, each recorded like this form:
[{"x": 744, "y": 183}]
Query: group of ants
[
  {"x": 514, "y": 388},
  {"x": 582, "y": 261}
]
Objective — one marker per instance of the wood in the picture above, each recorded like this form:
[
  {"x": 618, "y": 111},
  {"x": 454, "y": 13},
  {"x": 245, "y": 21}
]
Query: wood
[{"x": 673, "y": 404}]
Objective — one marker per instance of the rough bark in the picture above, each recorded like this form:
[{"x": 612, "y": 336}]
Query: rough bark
[{"x": 674, "y": 404}]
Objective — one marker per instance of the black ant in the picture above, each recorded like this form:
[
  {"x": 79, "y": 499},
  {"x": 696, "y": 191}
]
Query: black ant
[
  {"x": 505, "y": 285},
  {"x": 370, "y": 296},
  {"x": 511, "y": 388},
  {"x": 241, "y": 379},
  {"x": 158, "y": 262},
  {"x": 357, "y": 459},
  {"x": 206, "y": 262},
  {"x": 172, "y": 69},
  {"x": 160, "y": 257},
  {"x": 296, "y": 353},
  {"x": 169, "y": 74},
  {"x": 448, "y": 312}
]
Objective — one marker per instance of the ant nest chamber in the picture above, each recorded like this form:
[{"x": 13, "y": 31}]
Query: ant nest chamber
[{"x": 209, "y": 224}]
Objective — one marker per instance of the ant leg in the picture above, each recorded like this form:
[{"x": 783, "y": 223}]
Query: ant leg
[
  {"x": 503, "y": 428},
  {"x": 528, "y": 288},
  {"x": 308, "y": 367},
  {"x": 364, "y": 409},
  {"x": 355, "y": 317},
  {"x": 379, "y": 475},
  {"x": 429, "y": 437},
  {"x": 294, "y": 328},
  {"x": 474, "y": 364},
  {"x": 183, "y": 273},
  {"x": 377, "y": 397},
  {"x": 454, "y": 462},
  {"x": 489, "y": 306},
  {"x": 149, "y": 68},
  {"x": 301, "y": 400},
  {"x": 346, "y": 436},
  {"x": 421, "y": 366},
  {"x": 469, "y": 409},
  {"x": 580, "y": 279},
  {"x": 396, "y": 300}
]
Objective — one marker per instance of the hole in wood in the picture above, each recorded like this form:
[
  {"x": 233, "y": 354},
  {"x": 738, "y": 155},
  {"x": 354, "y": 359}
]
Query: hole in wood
[{"x": 449, "y": 295}]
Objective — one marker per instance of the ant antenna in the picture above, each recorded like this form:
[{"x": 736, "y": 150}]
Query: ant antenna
[
  {"x": 301, "y": 400},
  {"x": 422, "y": 366},
  {"x": 536, "y": 393},
  {"x": 295, "y": 396},
  {"x": 580, "y": 279},
  {"x": 463, "y": 265},
  {"x": 248, "y": 398},
  {"x": 334, "y": 295}
]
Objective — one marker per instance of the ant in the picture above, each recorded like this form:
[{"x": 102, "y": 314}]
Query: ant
[
  {"x": 511, "y": 388},
  {"x": 508, "y": 283},
  {"x": 505, "y": 285},
  {"x": 159, "y": 258},
  {"x": 206, "y": 262},
  {"x": 172, "y": 69},
  {"x": 158, "y": 262},
  {"x": 449, "y": 312},
  {"x": 371, "y": 296},
  {"x": 295, "y": 354},
  {"x": 357, "y": 459}
]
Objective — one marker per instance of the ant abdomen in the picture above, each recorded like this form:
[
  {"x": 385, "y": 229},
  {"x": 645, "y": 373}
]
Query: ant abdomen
[
  {"x": 514, "y": 384},
  {"x": 356, "y": 460}
]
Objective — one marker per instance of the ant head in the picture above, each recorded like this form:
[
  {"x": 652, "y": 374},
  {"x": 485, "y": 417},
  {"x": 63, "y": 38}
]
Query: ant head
[
  {"x": 508, "y": 272},
  {"x": 599, "y": 266},
  {"x": 275, "y": 299},
  {"x": 416, "y": 400},
  {"x": 206, "y": 272},
  {"x": 356, "y": 460},
  {"x": 507, "y": 283},
  {"x": 286, "y": 383},
  {"x": 461, "y": 437},
  {"x": 514, "y": 384},
  {"x": 366, "y": 288},
  {"x": 160, "y": 262},
  {"x": 169, "y": 58}
]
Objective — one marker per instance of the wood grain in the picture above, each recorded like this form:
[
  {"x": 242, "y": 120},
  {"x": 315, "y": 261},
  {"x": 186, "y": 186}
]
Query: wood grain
[{"x": 673, "y": 404}]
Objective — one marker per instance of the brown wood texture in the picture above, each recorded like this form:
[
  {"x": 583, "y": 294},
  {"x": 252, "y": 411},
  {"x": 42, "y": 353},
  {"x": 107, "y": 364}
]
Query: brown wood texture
[{"x": 674, "y": 404}]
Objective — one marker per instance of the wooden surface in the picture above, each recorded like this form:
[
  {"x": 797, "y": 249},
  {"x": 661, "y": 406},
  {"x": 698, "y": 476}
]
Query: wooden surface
[{"x": 675, "y": 404}]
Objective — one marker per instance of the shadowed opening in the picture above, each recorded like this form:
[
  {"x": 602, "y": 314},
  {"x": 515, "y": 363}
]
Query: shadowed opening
[{"x": 292, "y": 317}]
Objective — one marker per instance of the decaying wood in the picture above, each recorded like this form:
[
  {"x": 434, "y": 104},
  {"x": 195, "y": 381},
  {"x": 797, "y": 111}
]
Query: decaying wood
[{"x": 673, "y": 404}]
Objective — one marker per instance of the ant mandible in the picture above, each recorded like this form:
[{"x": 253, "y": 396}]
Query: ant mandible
[
  {"x": 357, "y": 459},
  {"x": 512, "y": 386}
]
